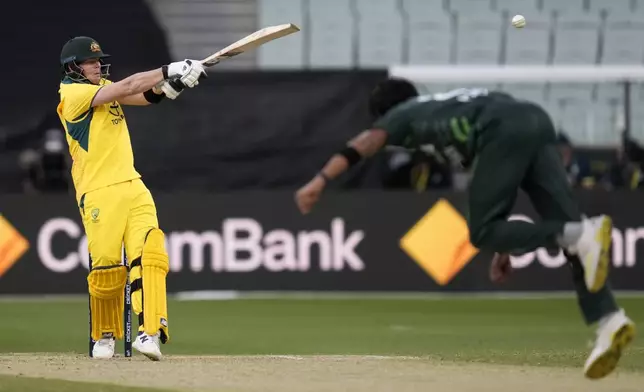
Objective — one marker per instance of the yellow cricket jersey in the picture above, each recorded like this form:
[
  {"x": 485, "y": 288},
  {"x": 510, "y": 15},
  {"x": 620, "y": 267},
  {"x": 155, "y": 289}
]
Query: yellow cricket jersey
[{"x": 98, "y": 138}]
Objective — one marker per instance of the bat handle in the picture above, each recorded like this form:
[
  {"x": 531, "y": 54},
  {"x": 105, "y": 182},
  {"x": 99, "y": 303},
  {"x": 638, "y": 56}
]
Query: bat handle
[{"x": 209, "y": 63}]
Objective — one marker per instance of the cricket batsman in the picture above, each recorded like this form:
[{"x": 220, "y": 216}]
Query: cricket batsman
[
  {"x": 510, "y": 144},
  {"x": 115, "y": 205}
]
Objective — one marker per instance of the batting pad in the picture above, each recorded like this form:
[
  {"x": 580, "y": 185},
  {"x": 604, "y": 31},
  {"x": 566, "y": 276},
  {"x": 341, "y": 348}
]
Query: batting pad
[
  {"x": 155, "y": 267},
  {"x": 106, "y": 290}
]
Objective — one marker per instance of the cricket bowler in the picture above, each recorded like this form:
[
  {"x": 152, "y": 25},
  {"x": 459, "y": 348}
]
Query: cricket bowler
[
  {"x": 115, "y": 205},
  {"x": 509, "y": 144}
]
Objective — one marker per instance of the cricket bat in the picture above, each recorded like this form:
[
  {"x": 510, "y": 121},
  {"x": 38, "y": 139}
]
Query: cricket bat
[{"x": 251, "y": 41}]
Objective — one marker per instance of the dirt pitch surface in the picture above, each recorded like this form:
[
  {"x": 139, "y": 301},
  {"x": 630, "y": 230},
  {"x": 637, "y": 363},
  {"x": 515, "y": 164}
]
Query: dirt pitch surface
[{"x": 311, "y": 374}]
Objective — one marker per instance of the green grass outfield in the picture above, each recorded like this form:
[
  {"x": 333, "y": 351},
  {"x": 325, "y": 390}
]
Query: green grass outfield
[{"x": 512, "y": 331}]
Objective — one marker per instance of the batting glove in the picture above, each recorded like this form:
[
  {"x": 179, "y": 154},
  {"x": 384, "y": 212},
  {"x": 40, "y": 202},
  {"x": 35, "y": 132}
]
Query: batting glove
[
  {"x": 188, "y": 71},
  {"x": 172, "y": 88}
]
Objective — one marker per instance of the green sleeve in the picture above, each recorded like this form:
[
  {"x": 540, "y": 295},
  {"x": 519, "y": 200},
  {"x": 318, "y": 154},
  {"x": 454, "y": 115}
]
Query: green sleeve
[{"x": 397, "y": 125}]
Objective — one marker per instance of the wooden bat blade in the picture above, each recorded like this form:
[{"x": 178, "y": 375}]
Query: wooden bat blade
[{"x": 251, "y": 41}]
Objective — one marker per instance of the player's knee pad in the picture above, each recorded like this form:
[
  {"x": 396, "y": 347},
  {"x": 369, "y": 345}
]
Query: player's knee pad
[
  {"x": 150, "y": 281},
  {"x": 106, "y": 291},
  {"x": 108, "y": 282}
]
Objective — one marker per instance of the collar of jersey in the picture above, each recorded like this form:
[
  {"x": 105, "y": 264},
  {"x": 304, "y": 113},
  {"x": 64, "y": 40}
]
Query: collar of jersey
[{"x": 68, "y": 80}]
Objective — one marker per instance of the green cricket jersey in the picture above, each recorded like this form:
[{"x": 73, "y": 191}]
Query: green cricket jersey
[{"x": 448, "y": 121}]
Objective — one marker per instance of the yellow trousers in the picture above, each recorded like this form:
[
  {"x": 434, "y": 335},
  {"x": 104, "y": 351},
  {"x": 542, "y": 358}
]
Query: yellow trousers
[{"x": 119, "y": 214}]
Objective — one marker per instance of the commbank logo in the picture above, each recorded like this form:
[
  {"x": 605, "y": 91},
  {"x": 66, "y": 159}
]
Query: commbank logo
[
  {"x": 240, "y": 245},
  {"x": 12, "y": 245},
  {"x": 440, "y": 243}
]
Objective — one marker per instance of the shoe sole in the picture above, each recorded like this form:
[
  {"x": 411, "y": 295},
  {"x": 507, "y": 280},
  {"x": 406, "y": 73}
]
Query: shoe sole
[
  {"x": 607, "y": 362},
  {"x": 604, "y": 237},
  {"x": 149, "y": 356}
]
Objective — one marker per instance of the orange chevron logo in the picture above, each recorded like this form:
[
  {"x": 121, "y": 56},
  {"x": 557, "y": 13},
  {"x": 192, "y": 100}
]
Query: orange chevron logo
[
  {"x": 12, "y": 245},
  {"x": 439, "y": 243}
]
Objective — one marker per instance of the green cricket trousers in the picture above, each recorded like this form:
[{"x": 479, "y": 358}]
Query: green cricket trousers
[{"x": 516, "y": 150}]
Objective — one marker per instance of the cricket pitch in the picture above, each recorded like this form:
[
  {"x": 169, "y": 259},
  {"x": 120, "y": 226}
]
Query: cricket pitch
[{"x": 312, "y": 374}]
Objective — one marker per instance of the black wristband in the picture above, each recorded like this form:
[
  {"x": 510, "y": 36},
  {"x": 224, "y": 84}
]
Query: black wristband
[
  {"x": 152, "y": 97},
  {"x": 352, "y": 155},
  {"x": 164, "y": 70}
]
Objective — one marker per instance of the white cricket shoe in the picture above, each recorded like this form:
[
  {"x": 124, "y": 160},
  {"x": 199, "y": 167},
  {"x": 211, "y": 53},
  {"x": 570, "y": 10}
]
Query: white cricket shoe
[
  {"x": 148, "y": 345},
  {"x": 614, "y": 333},
  {"x": 593, "y": 248},
  {"x": 104, "y": 348}
]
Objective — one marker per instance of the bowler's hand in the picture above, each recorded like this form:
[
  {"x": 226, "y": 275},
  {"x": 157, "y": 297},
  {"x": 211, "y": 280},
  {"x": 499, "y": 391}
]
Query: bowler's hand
[
  {"x": 501, "y": 268},
  {"x": 309, "y": 194}
]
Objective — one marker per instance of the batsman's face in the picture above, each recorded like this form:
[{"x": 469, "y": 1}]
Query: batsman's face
[{"x": 92, "y": 70}]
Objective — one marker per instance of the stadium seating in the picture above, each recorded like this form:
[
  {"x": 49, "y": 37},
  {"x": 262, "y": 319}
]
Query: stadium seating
[
  {"x": 429, "y": 40},
  {"x": 478, "y": 38},
  {"x": 622, "y": 30},
  {"x": 379, "y": 33},
  {"x": 570, "y": 7},
  {"x": 529, "y": 46},
  {"x": 528, "y": 8},
  {"x": 367, "y": 33},
  {"x": 577, "y": 37},
  {"x": 197, "y": 28},
  {"x": 288, "y": 52},
  {"x": 331, "y": 34},
  {"x": 612, "y": 6}
]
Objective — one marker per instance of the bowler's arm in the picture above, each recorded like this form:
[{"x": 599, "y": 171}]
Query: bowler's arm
[{"x": 364, "y": 145}]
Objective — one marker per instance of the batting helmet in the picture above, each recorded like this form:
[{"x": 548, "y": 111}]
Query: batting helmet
[{"x": 77, "y": 50}]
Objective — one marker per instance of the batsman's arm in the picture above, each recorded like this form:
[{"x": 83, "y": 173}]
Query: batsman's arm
[
  {"x": 187, "y": 71},
  {"x": 171, "y": 88},
  {"x": 365, "y": 145},
  {"x": 140, "y": 99},
  {"x": 134, "y": 84}
]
